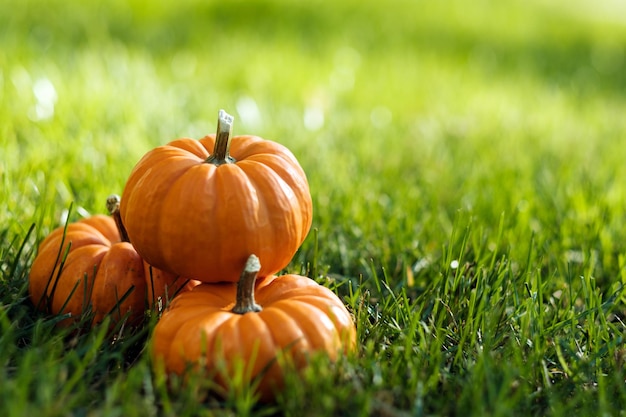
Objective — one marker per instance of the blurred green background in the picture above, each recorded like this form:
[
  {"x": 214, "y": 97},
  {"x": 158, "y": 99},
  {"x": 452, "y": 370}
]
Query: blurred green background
[
  {"x": 402, "y": 113},
  {"x": 465, "y": 159}
]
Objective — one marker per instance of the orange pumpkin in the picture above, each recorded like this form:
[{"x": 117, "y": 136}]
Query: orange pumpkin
[
  {"x": 87, "y": 266},
  {"x": 221, "y": 326},
  {"x": 200, "y": 215}
]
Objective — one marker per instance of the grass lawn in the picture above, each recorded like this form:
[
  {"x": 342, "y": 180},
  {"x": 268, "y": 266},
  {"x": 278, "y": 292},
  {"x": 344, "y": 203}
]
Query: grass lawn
[{"x": 467, "y": 167}]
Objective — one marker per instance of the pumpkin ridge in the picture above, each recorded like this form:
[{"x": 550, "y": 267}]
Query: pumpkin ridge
[
  {"x": 242, "y": 214},
  {"x": 285, "y": 286},
  {"x": 244, "y": 146},
  {"x": 317, "y": 292},
  {"x": 236, "y": 183},
  {"x": 293, "y": 187},
  {"x": 277, "y": 164},
  {"x": 261, "y": 336},
  {"x": 263, "y": 217},
  {"x": 226, "y": 341},
  {"x": 183, "y": 313},
  {"x": 336, "y": 312},
  {"x": 272, "y": 314},
  {"x": 155, "y": 160},
  {"x": 138, "y": 221},
  {"x": 312, "y": 299},
  {"x": 78, "y": 235},
  {"x": 316, "y": 327},
  {"x": 189, "y": 333},
  {"x": 121, "y": 266},
  {"x": 277, "y": 161},
  {"x": 248, "y": 147},
  {"x": 192, "y": 147},
  {"x": 102, "y": 224},
  {"x": 177, "y": 258},
  {"x": 207, "y": 143},
  {"x": 206, "y": 300},
  {"x": 224, "y": 291},
  {"x": 206, "y": 307},
  {"x": 282, "y": 210},
  {"x": 77, "y": 253},
  {"x": 76, "y": 272}
]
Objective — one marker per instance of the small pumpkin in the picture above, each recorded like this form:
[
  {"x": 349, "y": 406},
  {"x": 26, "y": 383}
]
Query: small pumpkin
[
  {"x": 87, "y": 265},
  {"x": 217, "y": 327},
  {"x": 200, "y": 214}
]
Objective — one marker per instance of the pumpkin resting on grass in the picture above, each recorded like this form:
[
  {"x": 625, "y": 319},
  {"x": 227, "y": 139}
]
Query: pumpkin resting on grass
[
  {"x": 88, "y": 265},
  {"x": 220, "y": 326},
  {"x": 201, "y": 215}
]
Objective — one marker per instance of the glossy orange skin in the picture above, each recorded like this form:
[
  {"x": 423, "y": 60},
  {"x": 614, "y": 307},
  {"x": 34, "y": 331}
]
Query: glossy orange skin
[
  {"x": 99, "y": 271},
  {"x": 299, "y": 318},
  {"x": 200, "y": 220}
]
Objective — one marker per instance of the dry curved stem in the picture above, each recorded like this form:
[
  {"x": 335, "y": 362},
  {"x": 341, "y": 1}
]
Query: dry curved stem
[
  {"x": 223, "y": 138},
  {"x": 113, "y": 206},
  {"x": 245, "y": 287}
]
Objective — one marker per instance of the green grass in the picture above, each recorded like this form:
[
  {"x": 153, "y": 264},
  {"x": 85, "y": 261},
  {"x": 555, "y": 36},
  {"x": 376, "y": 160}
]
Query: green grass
[{"x": 467, "y": 179}]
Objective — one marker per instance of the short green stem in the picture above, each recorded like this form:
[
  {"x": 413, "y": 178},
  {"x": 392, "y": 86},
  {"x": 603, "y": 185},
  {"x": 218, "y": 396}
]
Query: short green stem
[
  {"x": 113, "y": 206},
  {"x": 223, "y": 138},
  {"x": 245, "y": 287}
]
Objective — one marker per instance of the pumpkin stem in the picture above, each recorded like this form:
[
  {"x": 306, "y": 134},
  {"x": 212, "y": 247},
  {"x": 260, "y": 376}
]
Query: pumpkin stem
[
  {"x": 223, "y": 136},
  {"x": 113, "y": 205},
  {"x": 245, "y": 287}
]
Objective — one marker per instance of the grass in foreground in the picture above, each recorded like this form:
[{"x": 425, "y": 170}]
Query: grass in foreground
[{"x": 465, "y": 166}]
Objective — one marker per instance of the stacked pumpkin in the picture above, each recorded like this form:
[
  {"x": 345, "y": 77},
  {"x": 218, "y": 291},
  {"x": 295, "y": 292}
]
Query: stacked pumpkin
[{"x": 228, "y": 213}]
